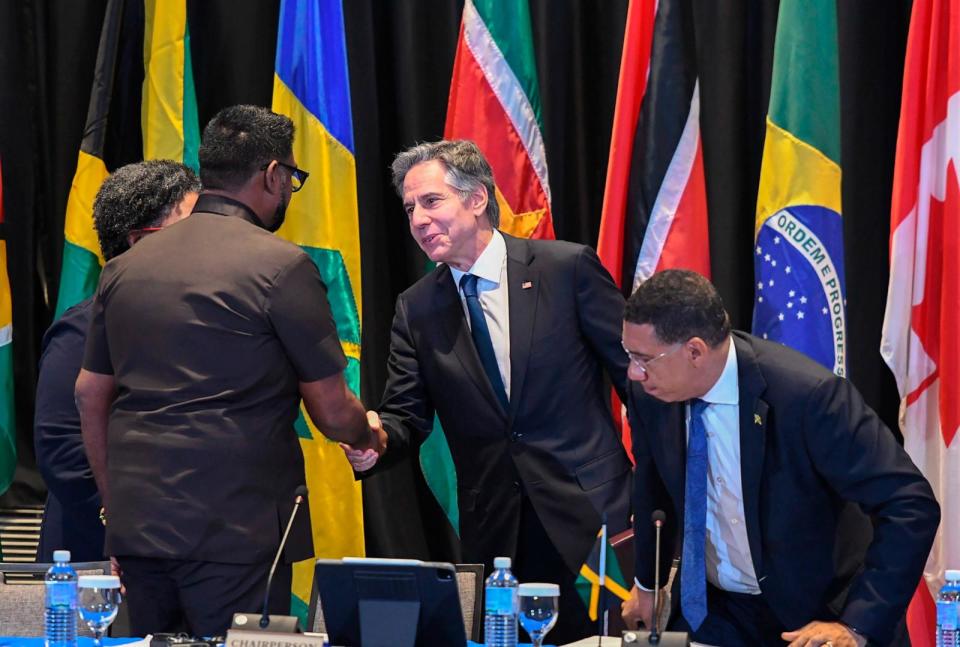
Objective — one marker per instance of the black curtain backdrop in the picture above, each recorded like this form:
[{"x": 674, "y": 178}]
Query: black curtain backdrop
[{"x": 401, "y": 57}]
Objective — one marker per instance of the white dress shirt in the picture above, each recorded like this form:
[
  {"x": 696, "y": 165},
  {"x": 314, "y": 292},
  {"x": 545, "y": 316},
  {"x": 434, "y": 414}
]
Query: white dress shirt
[
  {"x": 728, "y": 561},
  {"x": 490, "y": 269}
]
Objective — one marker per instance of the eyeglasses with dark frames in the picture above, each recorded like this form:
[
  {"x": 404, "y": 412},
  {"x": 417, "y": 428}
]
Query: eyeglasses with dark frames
[{"x": 298, "y": 177}]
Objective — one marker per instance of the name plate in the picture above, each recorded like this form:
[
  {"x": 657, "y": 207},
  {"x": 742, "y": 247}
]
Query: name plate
[{"x": 244, "y": 638}]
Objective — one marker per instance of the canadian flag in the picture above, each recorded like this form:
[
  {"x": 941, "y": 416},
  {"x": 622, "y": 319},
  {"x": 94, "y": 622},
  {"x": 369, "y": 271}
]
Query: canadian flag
[{"x": 921, "y": 327}]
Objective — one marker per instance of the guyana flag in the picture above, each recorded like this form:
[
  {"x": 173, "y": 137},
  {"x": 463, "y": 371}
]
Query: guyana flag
[
  {"x": 495, "y": 101},
  {"x": 143, "y": 67},
  {"x": 798, "y": 245},
  {"x": 311, "y": 85},
  {"x": 588, "y": 581},
  {"x": 8, "y": 430}
]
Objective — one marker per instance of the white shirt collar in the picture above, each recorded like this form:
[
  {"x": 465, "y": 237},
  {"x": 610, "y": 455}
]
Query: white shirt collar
[
  {"x": 726, "y": 390},
  {"x": 489, "y": 264}
]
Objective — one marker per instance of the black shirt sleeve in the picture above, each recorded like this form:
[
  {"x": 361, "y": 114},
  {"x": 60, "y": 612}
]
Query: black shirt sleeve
[
  {"x": 300, "y": 313},
  {"x": 96, "y": 355}
]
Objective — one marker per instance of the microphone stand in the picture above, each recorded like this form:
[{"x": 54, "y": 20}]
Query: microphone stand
[
  {"x": 265, "y": 618},
  {"x": 654, "y": 638}
]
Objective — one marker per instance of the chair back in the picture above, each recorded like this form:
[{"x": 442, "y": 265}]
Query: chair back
[
  {"x": 23, "y": 596},
  {"x": 470, "y": 587}
]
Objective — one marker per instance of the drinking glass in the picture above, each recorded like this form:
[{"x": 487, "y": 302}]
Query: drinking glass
[
  {"x": 538, "y": 609},
  {"x": 98, "y": 602}
]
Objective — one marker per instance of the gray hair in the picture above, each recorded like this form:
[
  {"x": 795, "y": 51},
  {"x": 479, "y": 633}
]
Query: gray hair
[{"x": 466, "y": 170}]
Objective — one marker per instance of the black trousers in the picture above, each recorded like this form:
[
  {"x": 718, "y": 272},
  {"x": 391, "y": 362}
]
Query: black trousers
[
  {"x": 538, "y": 561},
  {"x": 734, "y": 620},
  {"x": 198, "y": 598}
]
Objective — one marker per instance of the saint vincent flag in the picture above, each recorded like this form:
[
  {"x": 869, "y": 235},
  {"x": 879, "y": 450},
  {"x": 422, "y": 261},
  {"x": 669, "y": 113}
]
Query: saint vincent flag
[
  {"x": 588, "y": 581},
  {"x": 798, "y": 245},
  {"x": 8, "y": 430},
  {"x": 155, "y": 33},
  {"x": 495, "y": 102},
  {"x": 311, "y": 86}
]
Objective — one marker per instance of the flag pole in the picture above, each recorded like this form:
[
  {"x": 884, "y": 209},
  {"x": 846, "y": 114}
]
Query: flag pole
[{"x": 602, "y": 619}]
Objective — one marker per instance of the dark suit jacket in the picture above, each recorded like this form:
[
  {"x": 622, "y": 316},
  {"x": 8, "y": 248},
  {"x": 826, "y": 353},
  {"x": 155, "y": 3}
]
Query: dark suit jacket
[
  {"x": 808, "y": 446},
  {"x": 557, "y": 441},
  {"x": 71, "y": 517}
]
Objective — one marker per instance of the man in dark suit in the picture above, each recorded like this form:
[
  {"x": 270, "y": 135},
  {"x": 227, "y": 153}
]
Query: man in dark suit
[
  {"x": 756, "y": 453},
  {"x": 508, "y": 341},
  {"x": 134, "y": 200}
]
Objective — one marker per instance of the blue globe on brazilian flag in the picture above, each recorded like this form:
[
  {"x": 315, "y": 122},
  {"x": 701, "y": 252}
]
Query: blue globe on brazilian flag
[{"x": 800, "y": 298}]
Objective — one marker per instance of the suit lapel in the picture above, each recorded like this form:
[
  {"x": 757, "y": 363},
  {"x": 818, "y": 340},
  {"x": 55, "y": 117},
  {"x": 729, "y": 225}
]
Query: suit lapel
[
  {"x": 453, "y": 323},
  {"x": 753, "y": 423},
  {"x": 523, "y": 285},
  {"x": 673, "y": 440}
]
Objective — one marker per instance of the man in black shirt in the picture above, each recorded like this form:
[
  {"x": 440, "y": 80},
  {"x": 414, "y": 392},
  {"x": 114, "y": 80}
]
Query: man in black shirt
[
  {"x": 135, "y": 199},
  {"x": 203, "y": 340}
]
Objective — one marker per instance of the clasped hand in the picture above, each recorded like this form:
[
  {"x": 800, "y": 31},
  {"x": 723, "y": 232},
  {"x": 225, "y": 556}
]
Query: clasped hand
[{"x": 363, "y": 459}]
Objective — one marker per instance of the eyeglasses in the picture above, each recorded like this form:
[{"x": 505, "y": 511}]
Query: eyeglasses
[
  {"x": 644, "y": 364},
  {"x": 298, "y": 177}
]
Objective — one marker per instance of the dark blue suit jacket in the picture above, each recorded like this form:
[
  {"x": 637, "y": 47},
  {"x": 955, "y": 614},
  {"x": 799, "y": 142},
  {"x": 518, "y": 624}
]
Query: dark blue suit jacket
[
  {"x": 556, "y": 441},
  {"x": 809, "y": 446},
  {"x": 72, "y": 516}
]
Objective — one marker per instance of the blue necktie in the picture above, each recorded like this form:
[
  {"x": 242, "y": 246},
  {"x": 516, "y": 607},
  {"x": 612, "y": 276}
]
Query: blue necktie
[
  {"x": 481, "y": 336},
  {"x": 693, "y": 570}
]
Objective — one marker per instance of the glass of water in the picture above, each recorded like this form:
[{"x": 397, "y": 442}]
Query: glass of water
[
  {"x": 98, "y": 602},
  {"x": 538, "y": 609}
]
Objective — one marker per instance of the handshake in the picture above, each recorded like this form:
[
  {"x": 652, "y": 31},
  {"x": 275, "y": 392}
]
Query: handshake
[{"x": 362, "y": 459}]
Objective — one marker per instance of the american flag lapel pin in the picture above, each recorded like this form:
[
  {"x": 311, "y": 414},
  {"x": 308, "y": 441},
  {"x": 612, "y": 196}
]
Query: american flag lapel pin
[{"x": 526, "y": 285}]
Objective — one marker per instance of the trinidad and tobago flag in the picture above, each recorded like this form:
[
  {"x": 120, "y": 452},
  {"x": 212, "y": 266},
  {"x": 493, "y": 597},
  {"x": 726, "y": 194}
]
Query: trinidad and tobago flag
[
  {"x": 654, "y": 203},
  {"x": 655, "y": 208}
]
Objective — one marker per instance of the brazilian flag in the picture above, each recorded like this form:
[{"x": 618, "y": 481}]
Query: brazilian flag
[{"x": 798, "y": 246}]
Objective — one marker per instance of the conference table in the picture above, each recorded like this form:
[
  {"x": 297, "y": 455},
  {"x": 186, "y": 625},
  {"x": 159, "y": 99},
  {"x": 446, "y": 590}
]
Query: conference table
[{"x": 83, "y": 641}]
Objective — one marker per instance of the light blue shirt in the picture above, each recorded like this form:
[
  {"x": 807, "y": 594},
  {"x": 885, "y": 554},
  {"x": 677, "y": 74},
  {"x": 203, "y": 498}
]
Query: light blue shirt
[
  {"x": 490, "y": 268},
  {"x": 727, "y": 553},
  {"x": 728, "y": 560}
]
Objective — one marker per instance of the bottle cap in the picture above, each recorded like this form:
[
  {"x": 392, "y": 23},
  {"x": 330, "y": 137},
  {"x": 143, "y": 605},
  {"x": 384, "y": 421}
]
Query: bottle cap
[
  {"x": 952, "y": 575},
  {"x": 61, "y": 555},
  {"x": 539, "y": 590},
  {"x": 98, "y": 582},
  {"x": 501, "y": 562}
]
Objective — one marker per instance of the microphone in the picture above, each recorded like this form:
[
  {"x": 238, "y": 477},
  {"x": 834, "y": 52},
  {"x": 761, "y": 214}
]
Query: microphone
[
  {"x": 655, "y": 636},
  {"x": 658, "y": 517},
  {"x": 300, "y": 494},
  {"x": 285, "y": 624}
]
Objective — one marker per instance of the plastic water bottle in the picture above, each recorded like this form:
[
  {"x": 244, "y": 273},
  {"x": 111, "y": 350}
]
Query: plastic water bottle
[
  {"x": 61, "y": 612},
  {"x": 948, "y": 608},
  {"x": 500, "y": 618}
]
